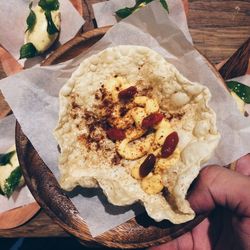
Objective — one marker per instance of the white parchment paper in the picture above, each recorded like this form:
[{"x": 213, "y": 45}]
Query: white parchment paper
[
  {"x": 242, "y": 79},
  {"x": 33, "y": 96},
  {"x": 104, "y": 13},
  {"x": 7, "y": 139},
  {"x": 13, "y": 14}
]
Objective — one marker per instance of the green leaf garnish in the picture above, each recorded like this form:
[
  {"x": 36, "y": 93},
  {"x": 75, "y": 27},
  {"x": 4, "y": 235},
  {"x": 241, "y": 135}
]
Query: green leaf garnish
[
  {"x": 49, "y": 5},
  {"x": 125, "y": 12},
  {"x": 1, "y": 192},
  {"x": 5, "y": 158},
  {"x": 164, "y": 5},
  {"x": 51, "y": 27},
  {"x": 148, "y": 1},
  {"x": 12, "y": 181},
  {"x": 240, "y": 89},
  {"x": 31, "y": 19},
  {"x": 28, "y": 50},
  {"x": 122, "y": 13}
]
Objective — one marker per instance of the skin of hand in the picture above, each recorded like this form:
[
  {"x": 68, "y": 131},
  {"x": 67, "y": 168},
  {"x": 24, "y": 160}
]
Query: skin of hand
[{"x": 226, "y": 194}]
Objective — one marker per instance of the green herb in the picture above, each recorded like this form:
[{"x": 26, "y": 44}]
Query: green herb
[
  {"x": 49, "y": 5},
  {"x": 28, "y": 50},
  {"x": 1, "y": 192},
  {"x": 125, "y": 12},
  {"x": 12, "y": 181},
  {"x": 122, "y": 13},
  {"x": 164, "y": 5},
  {"x": 31, "y": 19},
  {"x": 240, "y": 89},
  {"x": 5, "y": 158},
  {"x": 51, "y": 27},
  {"x": 139, "y": 2}
]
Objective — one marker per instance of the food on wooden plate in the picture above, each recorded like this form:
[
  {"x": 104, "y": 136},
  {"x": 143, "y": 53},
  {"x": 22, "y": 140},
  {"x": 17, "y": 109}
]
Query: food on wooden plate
[
  {"x": 241, "y": 95},
  {"x": 125, "y": 12},
  {"x": 10, "y": 173},
  {"x": 43, "y": 27},
  {"x": 130, "y": 123}
]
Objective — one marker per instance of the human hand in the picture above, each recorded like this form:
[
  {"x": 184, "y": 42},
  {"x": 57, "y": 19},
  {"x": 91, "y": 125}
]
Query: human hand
[{"x": 228, "y": 226}]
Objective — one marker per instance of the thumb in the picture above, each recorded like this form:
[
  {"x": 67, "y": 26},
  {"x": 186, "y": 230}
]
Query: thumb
[
  {"x": 220, "y": 186},
  {"x": 243, "y": 165}
]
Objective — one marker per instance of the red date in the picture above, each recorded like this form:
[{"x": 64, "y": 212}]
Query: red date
[
  {"x": 115, "y": 134},
  {"x": 152, "y": 120},
  {"x": 169, "y": 144},
  {"x": 147, "y": 166},
  {"x": 127, "y": 94},
  {"x": 165, "y": 192}
]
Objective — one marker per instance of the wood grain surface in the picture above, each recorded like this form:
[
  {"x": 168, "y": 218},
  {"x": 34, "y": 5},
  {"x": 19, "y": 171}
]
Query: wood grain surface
[
  {"x": 237, "y": 64},
  {"x": 40, "y": 226},
  {"x": 218, "y": 28}
]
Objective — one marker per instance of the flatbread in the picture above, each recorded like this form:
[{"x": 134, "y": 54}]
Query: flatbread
[{"x": 89, "y": 158}]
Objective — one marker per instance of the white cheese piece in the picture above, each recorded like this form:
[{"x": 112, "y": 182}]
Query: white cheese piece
[
  {"x": 39, "y": 36},
  {"x": 179, "y": 99},
  {"x": 239, "y": 102},
  {"x": 202, "y": 128},
  {"x": 6, "y": 170}
]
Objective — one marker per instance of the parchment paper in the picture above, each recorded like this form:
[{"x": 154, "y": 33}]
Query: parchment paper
[
  {"x": 33, "y": 96},
  {"x": 7, "y": 139},
  {"x": 13, "y": 14},
  {"x": 104, "y": 13},
  {"x": 242, "y": 79}
]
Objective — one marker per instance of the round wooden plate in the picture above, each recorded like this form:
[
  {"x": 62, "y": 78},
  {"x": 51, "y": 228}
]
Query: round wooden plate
[{"x": 138, "y": 232}]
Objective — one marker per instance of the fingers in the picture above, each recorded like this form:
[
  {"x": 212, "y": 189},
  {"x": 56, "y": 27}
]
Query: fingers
[
  {"x": 196, "y": 239},
  {"x": 201, "y": 239},
  {"x": 243, "y": 165},
  {"x": 220, "y": 186},
  {"x": 185, "y": 241}
]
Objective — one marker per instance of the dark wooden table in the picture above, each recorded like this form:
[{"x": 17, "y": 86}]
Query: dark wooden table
[{"x": 218, "y": 28}]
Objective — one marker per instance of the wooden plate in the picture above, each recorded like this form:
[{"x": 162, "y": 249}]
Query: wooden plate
[
  {"x": 18, "y": 216},
  {"x": 135, "y": 233}
]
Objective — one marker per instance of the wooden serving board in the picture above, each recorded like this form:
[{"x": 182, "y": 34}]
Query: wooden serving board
[{"x": 135, "y": 233}]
